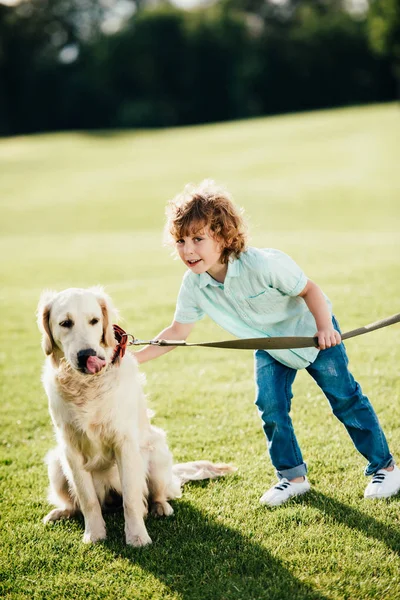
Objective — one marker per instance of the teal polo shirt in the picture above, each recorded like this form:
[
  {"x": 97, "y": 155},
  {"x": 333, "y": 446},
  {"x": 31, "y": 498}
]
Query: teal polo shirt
[{"x": 259, "y": 298}]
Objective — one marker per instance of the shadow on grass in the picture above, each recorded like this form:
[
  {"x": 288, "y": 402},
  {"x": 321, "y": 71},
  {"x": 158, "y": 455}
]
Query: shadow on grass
[
  {"x": 200, "y": 559},
  {"x": 356, "y": 519}
]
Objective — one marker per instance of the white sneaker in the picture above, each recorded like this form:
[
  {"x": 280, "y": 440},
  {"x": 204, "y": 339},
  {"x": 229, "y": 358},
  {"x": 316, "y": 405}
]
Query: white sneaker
[
  {"x": 283, "y": 490},
  {"x": 383, "y": 484}
]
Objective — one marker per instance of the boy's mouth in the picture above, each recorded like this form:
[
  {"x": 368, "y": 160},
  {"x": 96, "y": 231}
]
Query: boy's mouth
[{"x": 192, "y": 263}]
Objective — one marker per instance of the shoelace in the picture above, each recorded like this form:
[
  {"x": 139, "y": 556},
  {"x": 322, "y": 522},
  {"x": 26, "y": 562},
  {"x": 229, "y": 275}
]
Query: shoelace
[{"x": 378, "y": 478}]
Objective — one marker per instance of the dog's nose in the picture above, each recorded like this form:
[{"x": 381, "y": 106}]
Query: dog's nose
[{"x": 83, "y": 355}]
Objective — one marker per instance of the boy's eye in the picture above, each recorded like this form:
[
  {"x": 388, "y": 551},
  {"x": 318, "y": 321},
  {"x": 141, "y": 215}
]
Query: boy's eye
[
  {"x": 180, "y": 242},
  {"x": 198, "y": 239}
]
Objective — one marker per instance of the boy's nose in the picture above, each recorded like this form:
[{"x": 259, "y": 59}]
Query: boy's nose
[{"x": 189, "y": 251}]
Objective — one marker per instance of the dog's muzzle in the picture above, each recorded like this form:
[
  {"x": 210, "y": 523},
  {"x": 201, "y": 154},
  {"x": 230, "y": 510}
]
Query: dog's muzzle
[{"x": 89, "y": 362}]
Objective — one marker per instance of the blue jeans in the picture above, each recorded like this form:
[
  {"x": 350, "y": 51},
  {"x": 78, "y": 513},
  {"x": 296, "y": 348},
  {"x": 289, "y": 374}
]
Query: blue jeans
[{"x": 330, "y": 370}]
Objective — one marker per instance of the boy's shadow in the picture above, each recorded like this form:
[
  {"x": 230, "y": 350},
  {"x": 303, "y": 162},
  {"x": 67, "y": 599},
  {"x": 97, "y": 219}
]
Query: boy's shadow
[
  {"x": 200, "y": 559},
  {"x": 356, "y": 519}
]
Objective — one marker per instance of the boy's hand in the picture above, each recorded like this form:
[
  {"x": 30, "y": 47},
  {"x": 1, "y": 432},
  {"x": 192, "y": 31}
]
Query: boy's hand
[
  {"x": 316, "y": 302},
  {"x": 328, "y": 338}
]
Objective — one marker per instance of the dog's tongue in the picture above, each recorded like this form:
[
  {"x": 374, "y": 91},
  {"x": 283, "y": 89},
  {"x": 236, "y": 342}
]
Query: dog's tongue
[{"x": 94, "y": 364}]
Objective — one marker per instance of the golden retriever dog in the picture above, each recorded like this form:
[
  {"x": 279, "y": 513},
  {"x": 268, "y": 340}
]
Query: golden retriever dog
[{"x": 106, "y": 445}]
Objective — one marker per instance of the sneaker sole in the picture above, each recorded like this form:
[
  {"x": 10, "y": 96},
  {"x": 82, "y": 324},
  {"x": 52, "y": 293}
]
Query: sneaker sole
[
  {"x": 377, "y": 496},
  {"x": 272, "y": 504}
]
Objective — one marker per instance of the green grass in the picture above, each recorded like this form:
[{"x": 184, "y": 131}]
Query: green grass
[{"x": 86, "y": 208}]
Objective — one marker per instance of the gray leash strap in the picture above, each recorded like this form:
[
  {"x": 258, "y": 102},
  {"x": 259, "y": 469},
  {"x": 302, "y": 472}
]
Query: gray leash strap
[{"x": 271, "y": 343}]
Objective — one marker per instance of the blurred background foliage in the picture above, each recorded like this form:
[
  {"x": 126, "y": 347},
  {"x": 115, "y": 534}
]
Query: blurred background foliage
[{"x": 99, "y": 64}]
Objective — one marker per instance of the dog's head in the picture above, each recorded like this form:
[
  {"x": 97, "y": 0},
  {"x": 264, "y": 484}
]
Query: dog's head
[{"x": 77, "y": 324}]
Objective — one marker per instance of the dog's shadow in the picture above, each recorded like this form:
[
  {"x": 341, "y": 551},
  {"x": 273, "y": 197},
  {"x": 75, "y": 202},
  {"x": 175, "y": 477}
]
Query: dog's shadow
[{"x": 196, "y": 556}]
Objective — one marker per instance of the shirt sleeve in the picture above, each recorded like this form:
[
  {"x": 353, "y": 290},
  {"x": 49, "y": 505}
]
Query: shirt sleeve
[
  {"x": 187, "y": 309},
  {"x": 283, "y": 273}
]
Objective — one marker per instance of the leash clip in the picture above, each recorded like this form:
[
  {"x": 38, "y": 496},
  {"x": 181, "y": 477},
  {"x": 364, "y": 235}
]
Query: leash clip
[{"x": 135, "y": 342}]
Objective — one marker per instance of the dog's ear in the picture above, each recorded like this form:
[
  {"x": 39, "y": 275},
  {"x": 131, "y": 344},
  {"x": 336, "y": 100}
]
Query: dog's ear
[
  {"x": 109, "y": 315},
  {"x": 43, "y": 320}
]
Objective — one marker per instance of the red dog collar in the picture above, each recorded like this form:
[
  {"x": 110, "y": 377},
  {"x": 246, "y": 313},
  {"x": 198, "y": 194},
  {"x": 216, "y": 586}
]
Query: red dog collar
[{"x": 122, "y": 338}]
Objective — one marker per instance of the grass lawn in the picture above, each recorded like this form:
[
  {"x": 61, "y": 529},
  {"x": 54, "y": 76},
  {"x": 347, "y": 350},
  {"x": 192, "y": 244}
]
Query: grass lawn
[{"x": 85, "y": 208}]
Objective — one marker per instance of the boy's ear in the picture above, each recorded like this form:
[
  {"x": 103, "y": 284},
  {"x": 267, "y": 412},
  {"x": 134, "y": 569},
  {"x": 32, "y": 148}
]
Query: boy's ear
[
  {"x": 109, "y": 315},
  {"x": 43, "y": 320}
]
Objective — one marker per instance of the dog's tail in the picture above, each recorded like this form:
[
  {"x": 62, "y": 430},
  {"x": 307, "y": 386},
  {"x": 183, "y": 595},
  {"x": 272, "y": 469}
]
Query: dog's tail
[{"x": 201, "y": 469}]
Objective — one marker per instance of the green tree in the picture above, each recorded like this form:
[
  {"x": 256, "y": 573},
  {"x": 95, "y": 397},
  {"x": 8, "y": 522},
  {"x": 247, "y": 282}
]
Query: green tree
[
  {"x": 35, "y": 84},
  {"x": 384, "y": 32}
]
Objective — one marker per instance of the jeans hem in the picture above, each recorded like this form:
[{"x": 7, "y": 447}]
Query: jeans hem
[
  {"x": 388, "y": 463},
  {"x": 299, "y": 471}
]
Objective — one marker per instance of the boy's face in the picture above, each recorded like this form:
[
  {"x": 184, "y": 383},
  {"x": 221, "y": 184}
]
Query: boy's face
[{"x": 201, "y": 252}]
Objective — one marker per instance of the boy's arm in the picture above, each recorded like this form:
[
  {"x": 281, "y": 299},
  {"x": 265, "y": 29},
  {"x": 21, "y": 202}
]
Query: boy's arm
[
  {"x": 315, "y": 300},
  {"x": 176, "y": 331}
]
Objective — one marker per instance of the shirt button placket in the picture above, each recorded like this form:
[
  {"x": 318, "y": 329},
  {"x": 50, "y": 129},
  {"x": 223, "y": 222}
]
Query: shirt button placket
[{"x": 239, "y": 309}]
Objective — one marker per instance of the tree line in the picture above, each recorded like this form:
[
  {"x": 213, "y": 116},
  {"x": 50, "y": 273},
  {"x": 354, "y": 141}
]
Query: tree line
[{"x": 61, "y": 68}]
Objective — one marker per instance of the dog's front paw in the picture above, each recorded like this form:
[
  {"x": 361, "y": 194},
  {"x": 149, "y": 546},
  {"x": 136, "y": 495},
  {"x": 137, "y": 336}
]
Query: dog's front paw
[
  {"x": 138, "y": 538},
  {"x": 161, "y": 509},
  {"x": 94, "y": 534}
]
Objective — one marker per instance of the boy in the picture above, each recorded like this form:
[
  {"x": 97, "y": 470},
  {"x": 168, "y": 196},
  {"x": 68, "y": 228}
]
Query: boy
[{"x": 259, "y": 293}]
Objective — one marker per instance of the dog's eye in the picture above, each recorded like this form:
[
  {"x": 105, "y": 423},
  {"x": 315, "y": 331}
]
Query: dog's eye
[
  {"x": 67, "y": 323},
  {"x": 94, "y": 321}
]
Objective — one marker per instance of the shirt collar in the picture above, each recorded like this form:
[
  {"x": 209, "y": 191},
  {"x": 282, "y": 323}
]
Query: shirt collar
[{"x": 233, "y": 271}]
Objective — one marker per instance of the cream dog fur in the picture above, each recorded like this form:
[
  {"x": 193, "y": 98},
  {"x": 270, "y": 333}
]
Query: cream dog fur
[{"x": 106, "y": 444}]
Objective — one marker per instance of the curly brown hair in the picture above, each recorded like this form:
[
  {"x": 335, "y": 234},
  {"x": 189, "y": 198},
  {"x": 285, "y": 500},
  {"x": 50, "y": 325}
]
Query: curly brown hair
[{"x": 207, "y": 205}]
